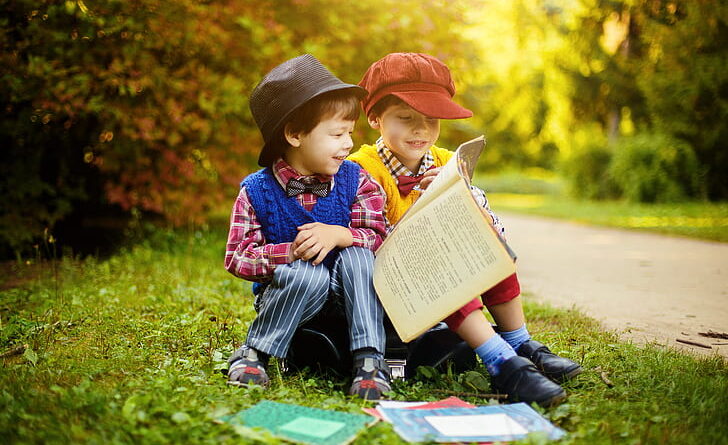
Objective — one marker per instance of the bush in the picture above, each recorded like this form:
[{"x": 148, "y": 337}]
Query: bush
[
  {"x": 654, "y": 167},
  {"x": 586, "y": 172}
]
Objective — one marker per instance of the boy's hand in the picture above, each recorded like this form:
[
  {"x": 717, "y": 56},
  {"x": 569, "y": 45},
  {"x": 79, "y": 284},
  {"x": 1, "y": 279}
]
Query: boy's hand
[
  {"x": 316, "y": 240},
  {"x": 428, "y": 177}
]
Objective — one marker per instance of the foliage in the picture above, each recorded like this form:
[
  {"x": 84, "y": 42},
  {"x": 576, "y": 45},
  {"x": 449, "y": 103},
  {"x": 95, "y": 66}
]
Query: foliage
[
  {"x": 586, "y": 171},
  {"x": 683, "y": 77},
  {"x": 551, "y": 70},
  {"x": 122, "y": 103},
  {"x": 651, "y": 66},
  {"x": 655, "y": 168},
  {"x": 586, "y": 167},
  {"x": 128, "y": 350},
  {"x": 142, "y": 105},
  {"x": 120, "y": 108}
]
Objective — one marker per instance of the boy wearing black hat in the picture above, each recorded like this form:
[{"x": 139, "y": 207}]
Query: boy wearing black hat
[
  {"x": 305, "y": 226},
  {"x": 408, "y": 95}
]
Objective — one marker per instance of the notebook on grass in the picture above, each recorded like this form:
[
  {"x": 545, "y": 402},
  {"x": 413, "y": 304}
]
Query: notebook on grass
[
  {"x": 497, "y": 423},
  {"x": 302, "y": 424}
]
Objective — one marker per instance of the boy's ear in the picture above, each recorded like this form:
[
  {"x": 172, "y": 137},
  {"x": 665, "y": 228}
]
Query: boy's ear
[
  {"x": 373, "y": 121},
  {"x": 293, "y": 139}
]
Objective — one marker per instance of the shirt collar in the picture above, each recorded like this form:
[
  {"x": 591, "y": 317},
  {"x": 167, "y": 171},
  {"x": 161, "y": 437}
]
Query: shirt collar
[
  {"x": 395, "y": 167},
  {"x": 283, "y": 172}
]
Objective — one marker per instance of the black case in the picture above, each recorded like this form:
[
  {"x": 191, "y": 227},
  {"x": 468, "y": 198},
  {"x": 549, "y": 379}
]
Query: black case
[{"x": 322, "y": 345}]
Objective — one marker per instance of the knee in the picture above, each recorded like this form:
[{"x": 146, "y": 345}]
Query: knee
[
  {"x": 302, "y": 275},
  {"x": 356, "y": 258}
]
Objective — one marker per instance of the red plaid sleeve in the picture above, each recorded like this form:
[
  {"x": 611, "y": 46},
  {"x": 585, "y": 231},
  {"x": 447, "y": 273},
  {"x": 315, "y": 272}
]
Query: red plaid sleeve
[
  {"x": 247, "y": 255},
  {"x": 368, "y": 224}
]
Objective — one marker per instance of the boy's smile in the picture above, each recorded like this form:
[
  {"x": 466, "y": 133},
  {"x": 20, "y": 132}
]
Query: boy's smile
[
  {"x": 323, "y": 150},
  {"x": 407, "y": 133}
]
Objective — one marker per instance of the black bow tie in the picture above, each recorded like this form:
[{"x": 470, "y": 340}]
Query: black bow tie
[{"x": 318, "y": 188}]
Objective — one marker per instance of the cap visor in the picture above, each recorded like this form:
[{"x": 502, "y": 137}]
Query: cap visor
[{"x": 434, "y": 104}]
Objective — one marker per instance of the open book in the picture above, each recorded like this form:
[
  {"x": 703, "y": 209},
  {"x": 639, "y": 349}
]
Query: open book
[{"x": 442, "y": 253}]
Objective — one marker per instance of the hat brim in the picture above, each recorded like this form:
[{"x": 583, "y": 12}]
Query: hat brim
[
  {"x": 433, "y": 104},
  {"x": 269, "y": 154}
]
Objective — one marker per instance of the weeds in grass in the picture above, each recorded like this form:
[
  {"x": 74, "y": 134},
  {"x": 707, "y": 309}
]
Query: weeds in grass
[{"x": 129, "y": 350}]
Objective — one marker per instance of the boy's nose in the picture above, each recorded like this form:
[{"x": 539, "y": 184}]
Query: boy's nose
[{"x": 420, "y": 126}]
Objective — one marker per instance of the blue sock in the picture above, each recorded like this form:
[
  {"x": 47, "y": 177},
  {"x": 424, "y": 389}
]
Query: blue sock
[
  {"x": 494, "y": 352},
  {"x": 516, "y": 338}
]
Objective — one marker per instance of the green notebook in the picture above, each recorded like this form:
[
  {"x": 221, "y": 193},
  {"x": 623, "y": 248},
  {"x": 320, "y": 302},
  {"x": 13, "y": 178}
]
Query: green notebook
[{"x": 303, "y": 424}]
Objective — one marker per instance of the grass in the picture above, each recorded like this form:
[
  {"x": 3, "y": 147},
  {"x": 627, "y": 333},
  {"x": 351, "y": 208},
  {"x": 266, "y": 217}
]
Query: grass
[
  {"x": 128, "y": 350},
  {"x": 537, "y": 193}
]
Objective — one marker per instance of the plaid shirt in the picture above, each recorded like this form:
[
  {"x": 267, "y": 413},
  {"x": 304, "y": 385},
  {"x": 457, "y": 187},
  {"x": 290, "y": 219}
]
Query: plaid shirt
[
  {"x": 248, "y": 255},
  {"x": 396, "y": 168}
]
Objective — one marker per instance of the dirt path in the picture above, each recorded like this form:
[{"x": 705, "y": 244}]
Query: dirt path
[{"x": 649, "y": 287}]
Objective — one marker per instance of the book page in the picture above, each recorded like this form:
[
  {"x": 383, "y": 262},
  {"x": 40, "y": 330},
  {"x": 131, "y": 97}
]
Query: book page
[
  {"x": 477, "y": 425},
  {"x": 438, "y": 259},
  {"x": 468, "y": 154}
]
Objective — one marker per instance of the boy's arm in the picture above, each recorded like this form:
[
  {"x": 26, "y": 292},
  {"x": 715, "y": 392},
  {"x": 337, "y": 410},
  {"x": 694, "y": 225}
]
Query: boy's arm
[
  {"x": 368, "y": 223},
  {"x": 247, "y": 255},
  {"x": 482, "y": 200}
]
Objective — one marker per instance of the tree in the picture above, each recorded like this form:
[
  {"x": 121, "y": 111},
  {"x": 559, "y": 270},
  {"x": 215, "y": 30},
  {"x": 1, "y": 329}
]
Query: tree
[{"x": 131, "y": 106}]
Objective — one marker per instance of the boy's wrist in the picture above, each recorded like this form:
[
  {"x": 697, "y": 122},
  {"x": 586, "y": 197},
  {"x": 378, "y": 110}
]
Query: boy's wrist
[{"x": 344, "y": 237}]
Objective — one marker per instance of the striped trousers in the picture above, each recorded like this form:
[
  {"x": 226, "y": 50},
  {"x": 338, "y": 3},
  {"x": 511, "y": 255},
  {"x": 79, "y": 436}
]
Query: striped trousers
[{"x": 298, "y": 291}]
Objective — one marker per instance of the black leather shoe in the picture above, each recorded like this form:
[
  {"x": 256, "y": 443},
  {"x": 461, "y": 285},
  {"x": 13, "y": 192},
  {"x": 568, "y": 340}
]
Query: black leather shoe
[
  {"x": 558, "y": 369},
  {"x": 521, "y": 381}
]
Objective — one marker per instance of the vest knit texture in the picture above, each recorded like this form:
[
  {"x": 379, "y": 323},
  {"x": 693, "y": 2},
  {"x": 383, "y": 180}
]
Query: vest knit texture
[
  {"x": 397, "y": 204},
  {"x": 280, "y": 215}
]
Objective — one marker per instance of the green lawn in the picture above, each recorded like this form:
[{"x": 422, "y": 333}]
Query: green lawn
[
  {"x": 128, "y": 350},
  {"x": 544, "y": 196}
]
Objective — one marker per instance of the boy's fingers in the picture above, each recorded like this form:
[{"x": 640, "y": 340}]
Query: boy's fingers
[
  {"x": 301, "y": 237},
  {"x": 301, "y": 253},
  {"x": 312, "y": 252},
  {"x": 321, "y": 255},
  {"x": 432, "y": 172},
  {"x": 428, "y": 177},
  {"x": 306, "y": 244},
  {"x": 304, "y": 255},
  {"x": 308, "y": 249},
  {"x": 307, "y": 226}
]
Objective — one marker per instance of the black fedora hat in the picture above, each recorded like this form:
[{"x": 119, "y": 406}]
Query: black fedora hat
[{"x": 284, "y": 89}]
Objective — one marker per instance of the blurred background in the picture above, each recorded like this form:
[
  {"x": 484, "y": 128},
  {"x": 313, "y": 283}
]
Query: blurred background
[{"x": 119, "y": 112}]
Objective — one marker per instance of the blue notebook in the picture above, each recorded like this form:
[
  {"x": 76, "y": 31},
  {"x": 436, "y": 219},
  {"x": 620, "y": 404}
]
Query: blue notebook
[
  {"x": 479, "y": 424},
  {"x": 301, "y": 423}
]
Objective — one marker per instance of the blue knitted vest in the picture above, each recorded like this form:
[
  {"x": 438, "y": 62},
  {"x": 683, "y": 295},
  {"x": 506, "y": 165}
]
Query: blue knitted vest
[{"x": 279, "y": 215}]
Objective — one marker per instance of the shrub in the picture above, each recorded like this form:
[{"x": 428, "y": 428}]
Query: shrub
[
  {"x": 654, "y": 167},
  {"x": 586, "y": 172}
]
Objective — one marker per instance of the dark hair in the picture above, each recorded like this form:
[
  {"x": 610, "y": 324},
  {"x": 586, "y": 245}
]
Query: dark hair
[
  {"x": 387, "y": 101},
  {"x": 338, "y": 103}
]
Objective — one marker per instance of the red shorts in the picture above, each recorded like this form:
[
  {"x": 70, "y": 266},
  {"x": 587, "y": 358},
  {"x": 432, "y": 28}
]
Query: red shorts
[{"x": 502, "y": 292}]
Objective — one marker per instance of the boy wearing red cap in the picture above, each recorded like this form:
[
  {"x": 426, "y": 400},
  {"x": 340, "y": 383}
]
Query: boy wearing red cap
[
  {"x": 305, "y": 226},
  {"x": 408, "y": 95}
]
